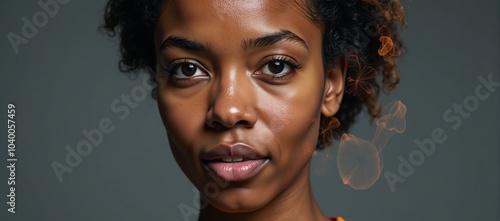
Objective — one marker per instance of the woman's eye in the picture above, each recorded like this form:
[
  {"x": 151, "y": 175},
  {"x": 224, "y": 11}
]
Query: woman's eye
[
  {"x": 187, "y": 70},
  {"x": 277, "y": 68}
]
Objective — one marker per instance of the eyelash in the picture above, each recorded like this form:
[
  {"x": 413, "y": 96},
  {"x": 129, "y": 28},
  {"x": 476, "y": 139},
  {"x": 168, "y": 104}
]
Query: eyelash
[
  {"x": 285, "y": 59},
  {"x": 169, "y": 69}
]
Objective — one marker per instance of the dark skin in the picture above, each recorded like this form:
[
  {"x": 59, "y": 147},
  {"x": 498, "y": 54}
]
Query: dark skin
[{"x": 246, "y": 72}]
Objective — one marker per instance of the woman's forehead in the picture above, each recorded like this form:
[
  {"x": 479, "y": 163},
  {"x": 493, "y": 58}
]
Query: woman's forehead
[
  {"x": 231, "y": 21},
  {"x": 231, "y": 9}
]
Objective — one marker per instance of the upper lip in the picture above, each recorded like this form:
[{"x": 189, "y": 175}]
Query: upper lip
[{"x": 236, "y": 150}]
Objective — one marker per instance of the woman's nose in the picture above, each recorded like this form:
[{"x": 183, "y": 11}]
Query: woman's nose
[{"x": 231, "y": 102}]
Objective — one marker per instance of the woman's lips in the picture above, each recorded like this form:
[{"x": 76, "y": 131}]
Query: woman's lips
[
  {"x": 236, "y": 171},
  {"x": 234, "y": 162}
]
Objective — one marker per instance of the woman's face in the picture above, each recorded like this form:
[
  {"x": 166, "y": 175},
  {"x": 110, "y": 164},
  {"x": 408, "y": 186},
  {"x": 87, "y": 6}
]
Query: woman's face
[{"x": 241, "y": 89}]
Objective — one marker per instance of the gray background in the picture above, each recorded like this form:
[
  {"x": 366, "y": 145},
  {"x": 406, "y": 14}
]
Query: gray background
[{"x": 65, "y": 79}]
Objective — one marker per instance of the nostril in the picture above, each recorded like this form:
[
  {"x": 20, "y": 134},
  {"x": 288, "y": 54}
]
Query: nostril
[
  {"x": 218, "y": 124},
  {"x": 215, "y": 125},
  {"x": 230, "y": 115},
  {"x": 228, "y": 110}
]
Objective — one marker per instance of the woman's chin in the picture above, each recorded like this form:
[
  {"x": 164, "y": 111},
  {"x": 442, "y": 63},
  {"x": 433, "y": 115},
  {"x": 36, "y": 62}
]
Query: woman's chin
[{"x": 240, "y": 202}]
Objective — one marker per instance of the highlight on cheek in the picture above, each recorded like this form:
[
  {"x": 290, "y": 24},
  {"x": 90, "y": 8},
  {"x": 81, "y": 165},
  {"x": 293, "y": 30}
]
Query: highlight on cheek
[{"x": 360, "y": 161}]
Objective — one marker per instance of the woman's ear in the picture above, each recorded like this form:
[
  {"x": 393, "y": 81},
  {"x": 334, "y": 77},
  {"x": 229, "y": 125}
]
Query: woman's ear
[{"x": 334, "y": 87}]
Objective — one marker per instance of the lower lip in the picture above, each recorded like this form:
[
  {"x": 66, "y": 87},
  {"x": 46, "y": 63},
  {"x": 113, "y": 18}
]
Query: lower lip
[{"x": 239, "y": 171}]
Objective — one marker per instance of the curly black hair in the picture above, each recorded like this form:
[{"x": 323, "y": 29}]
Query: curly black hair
[{"x": 364, "y": 32}]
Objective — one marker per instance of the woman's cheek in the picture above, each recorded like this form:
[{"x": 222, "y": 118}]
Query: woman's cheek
[
  {"x": 180, "y": 120},
  {"x": 181, "y": 108},
  {"x": 293, "y": 120}
]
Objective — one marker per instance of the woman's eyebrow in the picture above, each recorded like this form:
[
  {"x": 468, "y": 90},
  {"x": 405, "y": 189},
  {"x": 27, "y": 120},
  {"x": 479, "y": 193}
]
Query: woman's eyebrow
[
  {"x": 273, "y": 38},
  {"x": 184, "y": 43},
  {"x": 264, "y": 41}
]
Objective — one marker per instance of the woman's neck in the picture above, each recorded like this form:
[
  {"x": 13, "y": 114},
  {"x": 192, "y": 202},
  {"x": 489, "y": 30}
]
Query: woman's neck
[{"x": 296, "y": 202}]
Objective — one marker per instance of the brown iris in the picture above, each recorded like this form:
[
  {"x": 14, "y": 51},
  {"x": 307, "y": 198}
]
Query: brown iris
[
  {"x": 276, "y": 67},
  {"x": 188, "y": 69}
]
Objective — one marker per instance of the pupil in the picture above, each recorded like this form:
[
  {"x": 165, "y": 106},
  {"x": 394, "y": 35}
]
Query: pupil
[
  {"x": 188, "y": 69},
  {"x": 276, "y": 67}
]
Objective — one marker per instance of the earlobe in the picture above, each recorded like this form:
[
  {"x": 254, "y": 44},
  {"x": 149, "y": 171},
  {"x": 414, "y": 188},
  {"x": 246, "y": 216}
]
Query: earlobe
[{"x": 334, "y": 87}]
